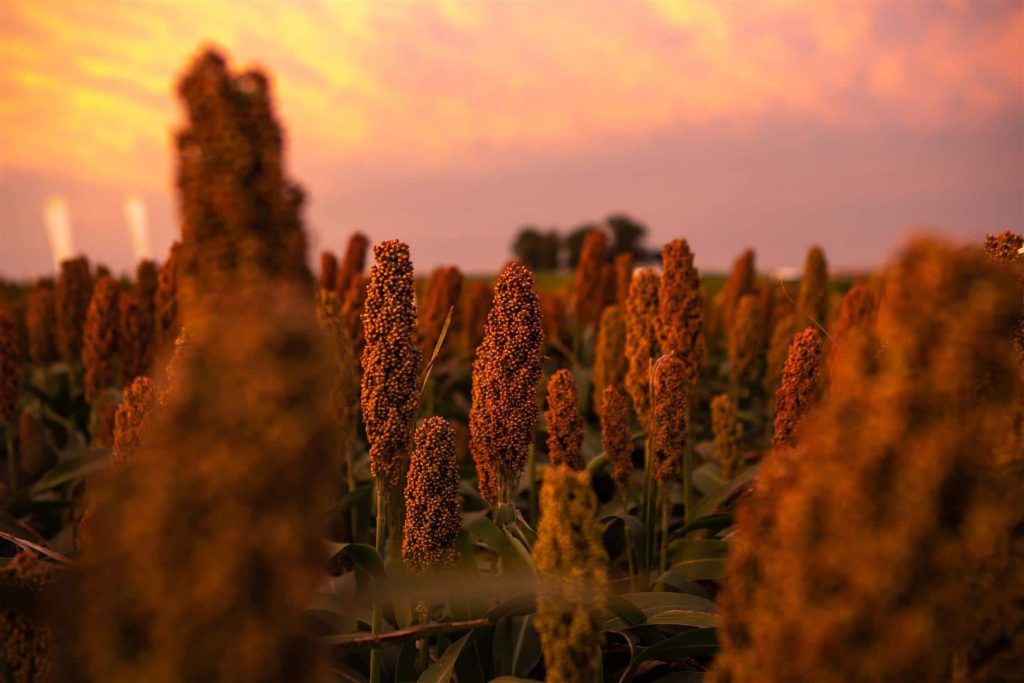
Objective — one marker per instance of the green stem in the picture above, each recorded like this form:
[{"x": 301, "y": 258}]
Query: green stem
[
  {"x": 375, "y": 624},
  {"x": 12, "y": 462}
]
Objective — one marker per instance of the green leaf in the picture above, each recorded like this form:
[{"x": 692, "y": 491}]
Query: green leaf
[
  {"x": 363, "y": 556},
  {"x": 656, "y": 602},
  {"x": 708, "y": 478},
  {"x": 498, "y": 540},
  {"x": 680, "y": 617},
  {"x": 627, "y": 611},
  {"x": 701, "y": 570},
  {"x": 715, "y": 522},
  {"x": 526, "y": 652},
  {"x": 598, "y": 463},
  {"x": 698, "y": 549},
  {"x": 405, "y": 667},
  {"x": 701, "y": 641},
  {"x": 80, "y": 464},
  {"x": 350, "y": 500},
  {"x": 682, "y": 584},
  {"x": 514, "y": 607},
  {"x": 441, "y": 671},
  {"x": 715, "y": 498}
]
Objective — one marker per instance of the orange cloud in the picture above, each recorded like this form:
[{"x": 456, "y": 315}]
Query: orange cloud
[{"x": 86, "y": 87}]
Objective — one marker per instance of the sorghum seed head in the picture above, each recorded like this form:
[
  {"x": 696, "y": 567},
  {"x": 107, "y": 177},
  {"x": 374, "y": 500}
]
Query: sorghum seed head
[
  {"x": 671, "y": 400},
  {"x": 146, "y": 286},
  {"x": 610, "y": 362},
  {"x": 168, "y": 322},
  {"x": 433, "y": 516},
  {"x": 800, "y": 386},
  {"x": 74, "y": 291},
  {"x": 883, "y": 524},
  {"x": 138, "y": 401},
  {"x": 615, "y": 434},
  {"x": 814, "y": 291},
  {"x": 26, "y": 642},
  {"x": 41, "y": 321},
  {"x": 739, "y": 284},
  {"x": 641, "y": 340},
  {"x": 390, "y": 393},
  {"x": 99, "y": 342},
  {"x": 441, "y": 296},
  {"x": 589, "y": 296},
  {"x": 345, "y": 391},
  {"x": 10, "y": 368},
  {"x": 747, "y": 347},
  {"x": 132, "y": 338},
  {"x": 624, "y": 265},
  {"x": 680, "y": 321},
  {"x": 352, "y": 264},
  {"x": 352, "y": 304},
  {"x": 328, "y": 270},
  {"x": 572, "y": 564},
  {"x": 728, "y": 435},
  {"x": 507, "y": 368},
  {"x": 476, "y": 302},
  {"x": 240, "y": 454},
  {"x": 564, "y": 422}
]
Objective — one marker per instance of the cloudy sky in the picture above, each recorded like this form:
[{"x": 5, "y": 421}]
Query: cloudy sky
[{"x": 773, "y": 124}]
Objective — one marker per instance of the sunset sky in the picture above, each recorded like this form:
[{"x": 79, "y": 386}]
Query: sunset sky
[{"x": 771, "y": 124}]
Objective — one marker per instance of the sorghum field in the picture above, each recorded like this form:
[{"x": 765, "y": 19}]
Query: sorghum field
[{"x": 231, "y": 468}]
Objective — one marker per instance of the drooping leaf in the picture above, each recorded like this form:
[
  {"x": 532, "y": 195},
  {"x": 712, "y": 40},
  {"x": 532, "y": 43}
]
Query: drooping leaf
[{"x": 442, "y": 670}]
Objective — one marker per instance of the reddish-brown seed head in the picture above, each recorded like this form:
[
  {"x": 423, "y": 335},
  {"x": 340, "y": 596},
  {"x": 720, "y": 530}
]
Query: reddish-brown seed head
[
  {"x": 589, "y": 298},
  {"x": 680, "y": 321},
  {"x": 671, "y": 396},
  {"x": 641, "y": 340},
  {"x": 615, "y": 434},
  {"x": 800, "y": 386},
  {"x": 433, "y": 516},
  {"x": 564, "y": 422},
  {"x": 390, "y": 393},
  {"x": 99, "y": 345},
  {"x": 506, "y": 370}
]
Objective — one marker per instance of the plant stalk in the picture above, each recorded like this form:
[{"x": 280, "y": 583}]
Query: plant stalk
[
  {"x": 375, "y": 623},
  {"x": 531, "y": 469}
]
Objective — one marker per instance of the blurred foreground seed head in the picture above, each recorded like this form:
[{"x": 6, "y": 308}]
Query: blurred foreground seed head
[
  {"x": 26, "y": 641},
  {"x": 641, "y": 341},
  {"x": 887, "y": 526},
  {"x": 507, "y": 368},
  {"x": 564, "y": 422},
  {"x": 391, "y": 360},
  {"x": 165, "y": 302},
  {"x": 240, "y": 213},
  {"x": 205, "y": 551},
  {"x": 433, "y": 517},
  {"x": 680, "y": 321},
  {"x": 572, "y": 564}
]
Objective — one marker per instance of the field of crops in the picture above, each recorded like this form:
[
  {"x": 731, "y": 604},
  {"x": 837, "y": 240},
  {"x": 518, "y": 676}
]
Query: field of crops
[{"x": 230, "y": 468}]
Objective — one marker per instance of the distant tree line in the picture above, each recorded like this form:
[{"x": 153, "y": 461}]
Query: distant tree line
[{"x": 552, "y": 249}]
